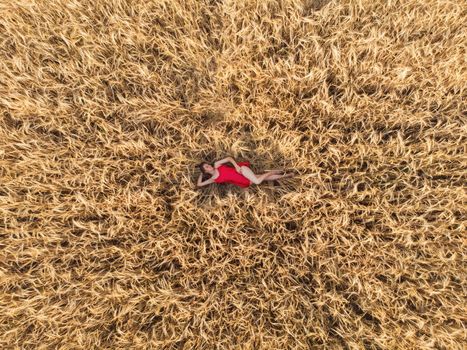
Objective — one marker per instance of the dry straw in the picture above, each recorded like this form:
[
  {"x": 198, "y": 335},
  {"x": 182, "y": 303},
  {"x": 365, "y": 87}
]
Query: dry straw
[{"x": 105, "y": 108}]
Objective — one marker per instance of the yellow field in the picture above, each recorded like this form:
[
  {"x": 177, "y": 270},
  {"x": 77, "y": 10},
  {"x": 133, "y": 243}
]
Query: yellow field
[{"x": 107, "y": 106}]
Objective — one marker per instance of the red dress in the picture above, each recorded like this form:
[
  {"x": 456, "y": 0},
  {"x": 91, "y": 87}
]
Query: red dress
[{"x": 230, "y": 175}]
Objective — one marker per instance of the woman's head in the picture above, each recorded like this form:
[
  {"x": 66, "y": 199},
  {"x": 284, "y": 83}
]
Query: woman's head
[{"x": 205, "y": 167}]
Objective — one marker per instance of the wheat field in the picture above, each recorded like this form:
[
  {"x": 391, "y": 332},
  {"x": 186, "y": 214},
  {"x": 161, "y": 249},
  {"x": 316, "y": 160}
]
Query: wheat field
[{"x": 107, "y": 106}]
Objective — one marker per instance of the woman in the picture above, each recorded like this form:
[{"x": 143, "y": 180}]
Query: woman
[{"x": 240, "y": 175}]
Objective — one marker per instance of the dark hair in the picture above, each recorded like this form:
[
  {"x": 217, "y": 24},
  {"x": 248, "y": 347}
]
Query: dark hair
[{"x": 201, "y": 167}]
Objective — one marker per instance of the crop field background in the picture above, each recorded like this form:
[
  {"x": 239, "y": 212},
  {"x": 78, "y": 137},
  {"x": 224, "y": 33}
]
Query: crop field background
[{"x": 107, "y": 106}]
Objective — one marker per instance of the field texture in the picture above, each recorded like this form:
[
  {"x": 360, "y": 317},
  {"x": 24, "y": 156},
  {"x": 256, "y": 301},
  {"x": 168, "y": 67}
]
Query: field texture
[{"x": 107, "y": 106}]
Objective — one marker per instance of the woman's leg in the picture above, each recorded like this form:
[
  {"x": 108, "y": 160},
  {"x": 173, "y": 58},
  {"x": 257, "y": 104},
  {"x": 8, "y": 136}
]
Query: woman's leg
[
  {"x": 257, "y": 179},
  {"x": 278, "y": 170},
  {"x": 272, "y": 177}
]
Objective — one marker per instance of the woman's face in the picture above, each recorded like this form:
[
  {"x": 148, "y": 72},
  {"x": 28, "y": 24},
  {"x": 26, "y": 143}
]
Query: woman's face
[{"x": 208, "y": 167}]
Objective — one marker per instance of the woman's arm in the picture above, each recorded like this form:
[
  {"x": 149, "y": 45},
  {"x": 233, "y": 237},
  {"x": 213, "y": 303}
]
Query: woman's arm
[
  {"x": 225, "y": 160},
  {"x": 236, "y": 166},
  {"x": 203, "y": 183}
]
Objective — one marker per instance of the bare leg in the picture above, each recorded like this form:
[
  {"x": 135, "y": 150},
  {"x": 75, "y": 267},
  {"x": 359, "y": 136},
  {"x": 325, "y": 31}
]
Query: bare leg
[
  {"x": 265, "y": 176},
  {"x": 277, "y": 177},
  {"x": 277, "y": 170},
  {"x": 257, "y": 179}
]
